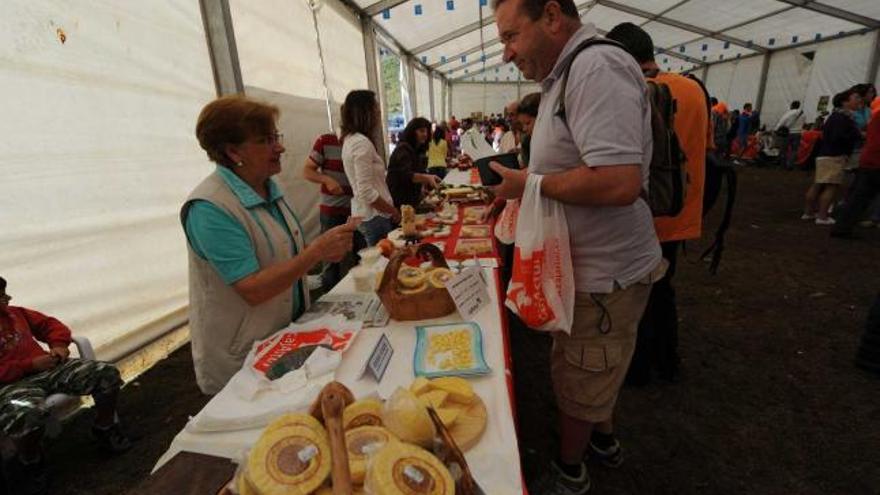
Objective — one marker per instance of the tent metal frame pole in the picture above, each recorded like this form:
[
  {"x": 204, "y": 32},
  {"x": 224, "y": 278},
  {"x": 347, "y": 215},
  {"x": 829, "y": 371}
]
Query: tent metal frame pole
[
  {"x": 681, "y": 25},
  {"x": 371, "y": 54},
  {"x": 762, "y": 86},
  {"x": 411, "y": 83},
  {"x": 874, "y": 63},
  {"x": 835, "y": 12},
  {"x": 705, "y": 75},
  {"x": 449, "y": 97},
  {"x": 220, "y": 36},
  {"x": 431, "y": 95},
  {"x": 378, "y": 7},
  {"x": 473, "y": 27}
]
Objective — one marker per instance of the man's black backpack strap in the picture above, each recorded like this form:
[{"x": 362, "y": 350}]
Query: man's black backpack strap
[
  {"x": 716, "y": 173},
  {"x": 560, "y": 106}
]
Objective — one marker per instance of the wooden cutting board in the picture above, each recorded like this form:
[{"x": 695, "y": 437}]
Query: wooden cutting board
[{"x": 470, "y": 424}]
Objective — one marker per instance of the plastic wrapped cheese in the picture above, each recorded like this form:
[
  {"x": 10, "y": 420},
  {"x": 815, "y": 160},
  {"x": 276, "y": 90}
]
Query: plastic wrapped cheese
[{"x": 406, "y": 417}]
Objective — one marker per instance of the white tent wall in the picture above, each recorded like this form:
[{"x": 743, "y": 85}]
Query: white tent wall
[
  {"x": 282, "y": 66},
  {"x": 787, "y": 80},
  {"x": 488, "y": 98},
  {"x": 836, "y": 65},
  {"x": 98, "y": 154},
  {"x": 423, "y": 95},
  {"x": 735, "y": 83}
]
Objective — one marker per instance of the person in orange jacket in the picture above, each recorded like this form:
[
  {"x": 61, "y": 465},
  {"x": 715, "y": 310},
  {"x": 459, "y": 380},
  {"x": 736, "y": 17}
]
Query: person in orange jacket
[{"x": 657, "y": 343}]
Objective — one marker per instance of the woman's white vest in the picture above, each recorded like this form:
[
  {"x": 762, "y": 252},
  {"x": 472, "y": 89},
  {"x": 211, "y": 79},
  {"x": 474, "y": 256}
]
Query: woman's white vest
[{"x": 223, "y": 326}]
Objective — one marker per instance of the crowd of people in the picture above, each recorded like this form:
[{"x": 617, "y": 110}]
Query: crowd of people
[{"x": 591, "y": 133}]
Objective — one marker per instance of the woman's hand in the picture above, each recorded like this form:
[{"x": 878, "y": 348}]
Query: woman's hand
[
  {"x": 45, "y": 362},
  {"x": 395, "y": 216},
  {"x": 334, "y": 244},
  {"x": 430, "y": 180}
]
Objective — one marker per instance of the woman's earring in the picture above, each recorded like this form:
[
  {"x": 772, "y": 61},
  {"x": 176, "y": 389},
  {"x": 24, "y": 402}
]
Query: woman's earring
[{"x": 239, "y": 164}]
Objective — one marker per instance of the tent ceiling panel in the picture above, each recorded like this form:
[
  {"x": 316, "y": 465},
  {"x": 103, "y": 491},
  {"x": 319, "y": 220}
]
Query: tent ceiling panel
[
  {"x": 715, "y": 15},
  {"x": 668, "y": 36},
  {"x": 476, "y": 63},
  {"x": 713, "y": 50},
  {"x": 793, "y": 26},
  {"x": 473, "y": 68},
  {"x": 606, "y": 18},
  {"x": 652, "y": 6},
  {"x": 505, "y": 72},
  {"x": 867, "y": 8},
  {"x": 412, "y": 23},
  {"x": 455, "y": 48}
]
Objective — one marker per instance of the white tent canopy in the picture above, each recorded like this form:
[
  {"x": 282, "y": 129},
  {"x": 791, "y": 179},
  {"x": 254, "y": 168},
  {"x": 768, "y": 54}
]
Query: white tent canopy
[{"x": 102, "y": 97}]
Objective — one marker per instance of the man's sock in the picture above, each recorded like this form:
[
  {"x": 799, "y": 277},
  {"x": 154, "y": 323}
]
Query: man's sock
[
  {"x": 602, "y": 440},
  {"x": 571, "y": 470}
]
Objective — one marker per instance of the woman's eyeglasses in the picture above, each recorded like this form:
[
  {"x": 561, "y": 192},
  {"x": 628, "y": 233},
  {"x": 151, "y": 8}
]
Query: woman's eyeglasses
[{"x": 272, "y": 139}]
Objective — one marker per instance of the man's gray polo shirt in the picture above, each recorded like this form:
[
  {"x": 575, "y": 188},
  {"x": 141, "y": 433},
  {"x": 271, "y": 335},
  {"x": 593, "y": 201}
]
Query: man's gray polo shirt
[{"x": 610, "y": 124}]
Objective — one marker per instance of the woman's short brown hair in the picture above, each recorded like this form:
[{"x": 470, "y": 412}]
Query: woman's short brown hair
[{"x": 231, "y": 120}]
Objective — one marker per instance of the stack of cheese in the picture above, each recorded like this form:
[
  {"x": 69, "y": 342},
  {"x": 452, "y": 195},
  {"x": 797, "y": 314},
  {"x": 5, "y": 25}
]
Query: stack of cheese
[
  {"x": 385, "y": 444},
  {"x": 413, "y": 280}
]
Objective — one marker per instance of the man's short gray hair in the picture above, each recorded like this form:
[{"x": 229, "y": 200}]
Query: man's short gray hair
[{"x": 535, "y": 8}]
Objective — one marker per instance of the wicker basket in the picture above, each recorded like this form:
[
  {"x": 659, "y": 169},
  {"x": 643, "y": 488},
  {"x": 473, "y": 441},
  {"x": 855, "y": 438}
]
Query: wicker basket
[{"x": 430, "y": 303}]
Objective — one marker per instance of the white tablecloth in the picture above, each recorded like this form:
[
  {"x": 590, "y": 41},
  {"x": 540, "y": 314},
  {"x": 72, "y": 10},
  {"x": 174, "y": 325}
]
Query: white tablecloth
[{"x": 494, "y": 461}]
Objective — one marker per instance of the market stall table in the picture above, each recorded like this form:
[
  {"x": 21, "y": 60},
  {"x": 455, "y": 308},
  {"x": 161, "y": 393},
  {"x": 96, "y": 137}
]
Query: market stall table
[{"x": 494, "y": 460}]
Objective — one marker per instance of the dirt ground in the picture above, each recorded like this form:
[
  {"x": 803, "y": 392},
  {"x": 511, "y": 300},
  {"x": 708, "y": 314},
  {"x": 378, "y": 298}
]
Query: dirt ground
[{"x": 769, "y": 401}]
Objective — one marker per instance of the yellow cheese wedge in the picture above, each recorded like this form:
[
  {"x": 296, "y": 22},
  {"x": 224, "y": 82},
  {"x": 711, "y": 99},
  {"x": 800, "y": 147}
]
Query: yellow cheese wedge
[
  {"x": 434, "y": 398},
  {"x": 459, "y": 389},
  {"x": 448, "y": 415},
  {"x": 420, "y": 385}
]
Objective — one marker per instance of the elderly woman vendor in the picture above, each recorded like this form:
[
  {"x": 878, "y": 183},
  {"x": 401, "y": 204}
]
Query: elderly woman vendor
[{"x": 247, "y": 254}]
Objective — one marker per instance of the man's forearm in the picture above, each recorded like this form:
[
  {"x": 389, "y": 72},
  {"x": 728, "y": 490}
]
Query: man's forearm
[{"x": 616, "y": 185}]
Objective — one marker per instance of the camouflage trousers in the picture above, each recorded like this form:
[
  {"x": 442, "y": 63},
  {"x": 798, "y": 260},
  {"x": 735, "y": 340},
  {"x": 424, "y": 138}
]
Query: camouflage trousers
[{"x": 23, "y": 403}]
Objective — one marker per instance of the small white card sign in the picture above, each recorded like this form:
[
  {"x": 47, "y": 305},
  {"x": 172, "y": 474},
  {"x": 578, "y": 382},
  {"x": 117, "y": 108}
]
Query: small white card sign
[
  {"x": 469, "y": 291},
  {"x": 378, "y": 361}
]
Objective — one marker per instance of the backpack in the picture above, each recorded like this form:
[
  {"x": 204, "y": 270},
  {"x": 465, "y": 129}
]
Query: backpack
[{"x": 667, "y": 184}]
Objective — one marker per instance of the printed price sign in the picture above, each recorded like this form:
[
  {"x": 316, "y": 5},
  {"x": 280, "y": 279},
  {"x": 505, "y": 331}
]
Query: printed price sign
[
  {"x": 378, "y": 361},
  {"x": 469, "y": 291}
]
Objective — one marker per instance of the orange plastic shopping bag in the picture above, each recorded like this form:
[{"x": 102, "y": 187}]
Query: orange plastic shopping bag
[
  {"x": 541, "y": 289},
  {"x": 505, "y": 226}
]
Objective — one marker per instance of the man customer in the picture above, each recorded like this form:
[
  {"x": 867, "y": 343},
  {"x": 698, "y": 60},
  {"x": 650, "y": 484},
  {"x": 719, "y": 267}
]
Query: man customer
[
  {"x": 787, "y": 135},
  {"x": 324, "y": 166},
  {"x": 657, "y": 344},
  {"x": 594, "y": 160}
]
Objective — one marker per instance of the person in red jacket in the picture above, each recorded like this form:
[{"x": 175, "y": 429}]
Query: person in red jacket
[{"x": 29, "y": 374}]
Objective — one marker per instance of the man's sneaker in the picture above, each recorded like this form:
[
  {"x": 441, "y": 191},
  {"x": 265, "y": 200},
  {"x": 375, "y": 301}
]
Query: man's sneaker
[
  {"x": 554, "y": 481},
  {"x": 867, "y": 224},
  {"x": 808, "y": 216},
  {"x": 825, "y": 221},
  {"x": 111, "y": 439},
  {"x": 610, "y": 456}
]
